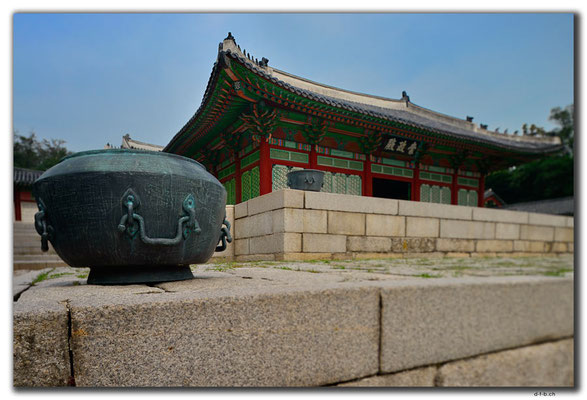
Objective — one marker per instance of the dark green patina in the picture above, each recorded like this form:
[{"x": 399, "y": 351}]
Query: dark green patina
[
  {"x": 131, "y": 216},
  {"x": 306, "y": 179}
]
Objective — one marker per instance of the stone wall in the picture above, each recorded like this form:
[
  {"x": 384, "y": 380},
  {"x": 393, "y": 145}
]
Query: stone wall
[{"x": 297, "y": 225}]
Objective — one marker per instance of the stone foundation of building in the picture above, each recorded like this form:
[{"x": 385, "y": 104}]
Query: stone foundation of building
[{"x": 297, "y": 225}]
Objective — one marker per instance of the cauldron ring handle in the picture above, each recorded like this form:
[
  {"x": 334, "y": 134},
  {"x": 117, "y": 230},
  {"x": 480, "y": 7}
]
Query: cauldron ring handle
[
  {"x": 41, "y": 225},
  {"x": 131, "y": 202},
  {"x": 224, "y": 235}
]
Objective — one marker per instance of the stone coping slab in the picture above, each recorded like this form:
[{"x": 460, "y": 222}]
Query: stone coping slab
[{"x": 280, "y": 324}]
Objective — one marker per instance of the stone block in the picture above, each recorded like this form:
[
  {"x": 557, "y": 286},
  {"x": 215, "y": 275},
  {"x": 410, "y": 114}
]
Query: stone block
[
  {"x": 422, "y": 227},
  {"x": 255, "y": 257},
  {"x": 385, "y": 225},
  {"x": 254, "y": 225},
  {"x": 276, "y": 243},
  {"x": 241, "y": 210},
  {"x": 532, "y": 232},
  {"x": 422, "y": 209},
  {"x": 527, "y": 246},
  {"x": 241, "y": 247},
  {"x": 507, "y": 231},
  {"x": 571, "y": 247},
  {"x": 323, "y": 243},
  {"x": 570, "y": 222},
  {"x": 458, "y": 255},
  {"x": 285, "y": 198},
  {"x": 419, "y": 377},
  {"x": 345, "y": 223},
  {"x": 239, "y": 336},
  {"x": 413, "y": 245},
  {"x": 287, "y": 220},
  {"x": 498, "y": 246},
  {"x": 484, "y": 255},
  {"x": 458, "y": 245},
  {"x": 315, "y": 221},
  {"x": 559, "y": 247},
  {"x": 367, "y": 256},
  {"x": 521, "y": 254},
  {"x": 342, "y": 255},
  {"x": 350, "y": 203},
  {"x": 40, "y": 345},
  {"x": 547, "y": 219},
  {"x": 467, "y": 229},
  {"x": 368, "y": 244},
  {"x": 303, "y": 256},
  {"x": 434, "y": 254},
  {"x": 497, "y": 215},
  {"x": 431, "y": 321},
  {"x": 544, "y": 365},
  {"x": 563, "y": 234}
]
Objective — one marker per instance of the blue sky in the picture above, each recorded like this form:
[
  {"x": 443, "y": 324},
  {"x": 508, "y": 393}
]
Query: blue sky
[{"x": 91, "y": 78}]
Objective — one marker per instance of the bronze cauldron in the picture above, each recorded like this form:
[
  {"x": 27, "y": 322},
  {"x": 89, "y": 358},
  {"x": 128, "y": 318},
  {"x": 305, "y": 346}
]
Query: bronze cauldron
[{"x": 131, "y": 216}]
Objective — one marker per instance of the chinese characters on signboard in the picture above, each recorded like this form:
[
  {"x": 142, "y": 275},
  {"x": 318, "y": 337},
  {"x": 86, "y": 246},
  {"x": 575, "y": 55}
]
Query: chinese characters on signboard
[{"x": 400, "y": 145}]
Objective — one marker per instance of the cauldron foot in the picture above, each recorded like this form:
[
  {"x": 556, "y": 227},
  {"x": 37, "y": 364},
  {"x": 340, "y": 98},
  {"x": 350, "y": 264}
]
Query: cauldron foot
[{"x": 127, "y": 275}]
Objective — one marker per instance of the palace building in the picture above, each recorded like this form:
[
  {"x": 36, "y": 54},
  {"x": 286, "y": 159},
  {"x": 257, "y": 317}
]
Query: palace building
[{"x": 256, "y": 123}]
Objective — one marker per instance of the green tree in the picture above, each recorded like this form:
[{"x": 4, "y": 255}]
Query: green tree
[
  {"x": 565, "y": 119},
  {"x": 28, "y": 152},
  {"x": 542, "y": 179},
  {"x": 25, "y": 151}
]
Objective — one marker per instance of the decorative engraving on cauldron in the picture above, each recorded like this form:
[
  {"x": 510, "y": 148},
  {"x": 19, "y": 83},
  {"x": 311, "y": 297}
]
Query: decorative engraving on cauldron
[
  {"x": 131, "y": 216},
  {"x": 306, "y": 179}
]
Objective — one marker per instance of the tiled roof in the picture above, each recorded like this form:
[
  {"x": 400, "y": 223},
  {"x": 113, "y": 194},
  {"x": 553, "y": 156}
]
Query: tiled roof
[
  {"x": 405, "y": 116},
  {"x": 560, "y": 206},
  {"x": 401, "y": 111},
  {"x": 128, "y": 143},
  {"x": 489, "y": 192},
  {"x": 25, "y": 177}
]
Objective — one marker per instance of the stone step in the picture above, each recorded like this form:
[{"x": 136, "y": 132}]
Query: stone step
[
  {"x": 38, "y": 264},
  {"x": 36, "y": 250},
  {"x": 23, "y": 227},
  {"x": 36, "y": 257},
  {"x": 28, "y": 242},
  {"x": 278, "y": 327}
]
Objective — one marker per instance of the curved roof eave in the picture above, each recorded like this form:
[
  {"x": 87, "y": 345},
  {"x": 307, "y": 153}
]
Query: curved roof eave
[{"x": 395, "y": 115}]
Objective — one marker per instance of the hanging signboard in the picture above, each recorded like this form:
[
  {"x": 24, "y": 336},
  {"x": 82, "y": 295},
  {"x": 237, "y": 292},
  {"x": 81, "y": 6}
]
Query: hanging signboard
[{"x": 397, "y": 144}]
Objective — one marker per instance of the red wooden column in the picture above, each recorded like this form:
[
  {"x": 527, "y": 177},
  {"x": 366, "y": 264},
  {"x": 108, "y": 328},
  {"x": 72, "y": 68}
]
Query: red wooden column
[
  {"x": 481, "y": 194},
  {"x": 264, "y": 168},
  {"x": 367, "y": 178},
  {"x": 454, "y": 193},
  {"x": 313, "y": 157},
  {"x": 416, "y": 182}
]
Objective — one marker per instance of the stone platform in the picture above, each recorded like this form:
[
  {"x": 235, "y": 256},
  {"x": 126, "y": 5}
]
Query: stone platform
[{"x": 384, "y": 322}]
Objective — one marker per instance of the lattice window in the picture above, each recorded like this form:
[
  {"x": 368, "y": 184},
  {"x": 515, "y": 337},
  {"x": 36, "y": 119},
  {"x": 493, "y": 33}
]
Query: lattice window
[
  {"x": 425, "y": 193},
  {"x": 463, "y": 199},
  {"x": 472, "y": 198},
  {"x": 230, "y": 187},
  {"x": 445, "y": 195},
  {"x": 245, "y": 186},
  {"x": 435, "y": 194},
  {"x": 327, "y": 187},
  {"x": 278, "y": 177},
  {"x": 339, "y": 183},
  {"x": 354, "y": 185},
  {"x": 255, "y": 183}
]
